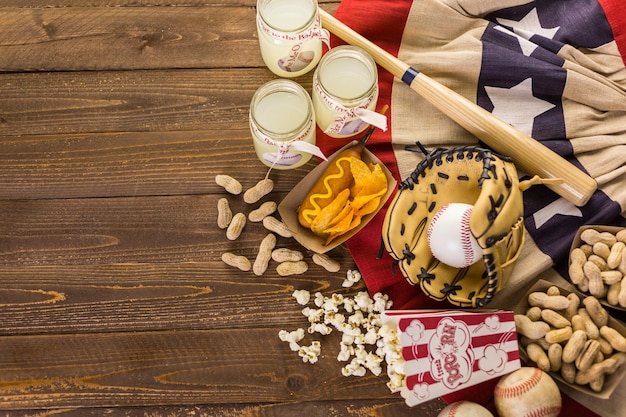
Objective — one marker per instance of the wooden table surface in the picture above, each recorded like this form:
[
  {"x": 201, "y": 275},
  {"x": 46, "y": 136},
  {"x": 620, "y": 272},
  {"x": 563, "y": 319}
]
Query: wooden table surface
[{"x": 115, "y": 117}]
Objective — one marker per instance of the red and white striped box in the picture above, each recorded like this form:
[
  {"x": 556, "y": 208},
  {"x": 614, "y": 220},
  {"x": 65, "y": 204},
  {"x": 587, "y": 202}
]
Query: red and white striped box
[{"x": 445, "y": 351}]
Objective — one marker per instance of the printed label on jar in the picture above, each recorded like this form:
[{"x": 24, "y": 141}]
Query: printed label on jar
[
  {"x": 296, "y": 60},
  {"x": 286, "y": 160}
]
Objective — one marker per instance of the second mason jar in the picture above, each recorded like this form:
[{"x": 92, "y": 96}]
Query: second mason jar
[{"x": 345, "y": 92}]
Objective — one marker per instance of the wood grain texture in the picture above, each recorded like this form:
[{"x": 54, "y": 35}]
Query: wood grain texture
[
  {"x": 61, "y": 36},
  {"x": 115, "y": 117},
  {"x": 132, "y": 164},
  {"x": 348, "y": 408},
  {"x": 154, "y": 296},
  {"x": 183, "y": 367},
  {"x": 63, "y": 103},
  {"x": 129, "y": 38}
]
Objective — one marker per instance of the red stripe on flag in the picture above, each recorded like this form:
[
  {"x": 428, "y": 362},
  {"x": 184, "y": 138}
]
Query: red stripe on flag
[
  {"x": 616, "y": 16},
  {"x": 382, "y": 22}
]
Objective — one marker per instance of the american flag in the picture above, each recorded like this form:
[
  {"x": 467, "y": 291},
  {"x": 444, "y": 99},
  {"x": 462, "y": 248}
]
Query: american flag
[{"x": 554, "y": 69}]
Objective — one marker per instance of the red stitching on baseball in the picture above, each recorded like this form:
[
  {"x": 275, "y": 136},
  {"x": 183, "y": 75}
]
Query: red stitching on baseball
[
  {"x": 437, "y": 215},
  {"x": 520, "y": 388},
  {"x": 544, "y": 411},
  {"x": 466, "y": 236},
  {"x": 454, "y": 409}
]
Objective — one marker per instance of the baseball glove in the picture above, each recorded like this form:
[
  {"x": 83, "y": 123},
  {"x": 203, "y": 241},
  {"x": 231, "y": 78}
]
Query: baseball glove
[{"x": 470, "y": 175}]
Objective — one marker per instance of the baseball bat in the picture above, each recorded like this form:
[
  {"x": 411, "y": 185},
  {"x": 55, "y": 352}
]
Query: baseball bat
[{"x": 527, "y": 153}]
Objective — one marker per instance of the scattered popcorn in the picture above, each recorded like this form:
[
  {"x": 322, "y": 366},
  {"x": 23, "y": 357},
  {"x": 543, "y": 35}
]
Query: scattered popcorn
[
  {"x": 381, "y": 302},
  {"x": 334, "y": 318},
  {"x": 347, "y": 339},
  {"x": 370, "y": 337},
  {"x": 293, "y": 336},
  {"x": 333, "y": 303},
  {"x": 345, "y": 353},
  {"x": 352, "y": 277},
  {"x": 356, "y": 318},
  {"x": 363, "y": 300},
  {"x": 348, "y": 304},
  {"x": 314, "y": 315},
  {"x": 365, "y": 344},
  {"x": 373, "y": 363},
  {"x": 310, "y": 353},
  {"x": 320, "y": 328},
  {"x": 353, "y": 369},
  {"x": 302, "y": 296},
  {"x": 392, "y": 349},
  {"x": 319, "y": 299}
]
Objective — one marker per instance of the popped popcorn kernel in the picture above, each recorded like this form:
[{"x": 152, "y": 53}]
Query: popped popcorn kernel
[
  {"x": 302, "y": 296},
  {"x": 352, "y": 277},
  {"x": 363, "y": 300},
  {"x": 319, "y": 299},
  {"x": 320, "y": 328},
  {"x": 314, "y": 315}
]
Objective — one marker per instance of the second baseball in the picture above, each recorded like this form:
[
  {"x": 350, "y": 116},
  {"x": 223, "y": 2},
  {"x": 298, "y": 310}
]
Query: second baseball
[
  {"x": 527, "y": 392},
  {"x": 450, "y": 238},
  {"x": 465, "y": 409}
]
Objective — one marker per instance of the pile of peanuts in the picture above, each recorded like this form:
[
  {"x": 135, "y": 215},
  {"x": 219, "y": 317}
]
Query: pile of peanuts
[
  {"x": 598, "y": 266},
  {"x": 563, "y": 336},
  {"x": 290, "y": 262}
]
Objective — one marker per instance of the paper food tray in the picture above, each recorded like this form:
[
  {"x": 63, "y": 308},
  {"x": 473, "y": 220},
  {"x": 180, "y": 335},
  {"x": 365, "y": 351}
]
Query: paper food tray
[{"x": 288, "y": 208}]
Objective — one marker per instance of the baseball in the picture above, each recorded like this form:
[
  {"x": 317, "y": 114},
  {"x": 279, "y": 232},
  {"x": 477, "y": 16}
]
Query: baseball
[
  {"x": 450, "y": 238},
  {"x": 465, "y": 409},
  {"x": 527, "y": 392}
]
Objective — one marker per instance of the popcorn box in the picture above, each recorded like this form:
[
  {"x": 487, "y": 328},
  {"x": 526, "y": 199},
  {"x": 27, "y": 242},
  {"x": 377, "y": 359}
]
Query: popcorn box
[
  {"x": 288, "y": 208},
  {"x": 446, "y": 351}
]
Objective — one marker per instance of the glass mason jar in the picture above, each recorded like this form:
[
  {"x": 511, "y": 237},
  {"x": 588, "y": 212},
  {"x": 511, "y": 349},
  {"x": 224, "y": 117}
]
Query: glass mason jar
[
  {"x": 282, "y": 123},
  {"x": 345, "y": 92},
  {"x": 290, "y": 35}
]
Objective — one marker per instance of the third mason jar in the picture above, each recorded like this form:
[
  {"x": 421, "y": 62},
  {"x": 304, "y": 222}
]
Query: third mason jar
[
  {"x": 345, "y": 92},
  {"x": 282, "y": 123}
]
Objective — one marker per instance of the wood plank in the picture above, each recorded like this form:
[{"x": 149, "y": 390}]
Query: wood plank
[
  {"x": 326, "y": 4},
  {"x": 105, "y": 38},
  {"x": 145, "y": 297},
  {"x": 121, "y": 230},
  {"x": 347, "y": 408},
  {"x": 172, "y": 367},
  {"x": 127, "y": 101},
  {"x": 132, "y": 164},
  {"x": 102, "y": 38}
]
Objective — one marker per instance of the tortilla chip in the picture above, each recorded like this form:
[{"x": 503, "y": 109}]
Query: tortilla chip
[
  {"x": 368, "y": 207},
  {"x": 328, "y": 213},
  {"x": 342, "y": 226}
]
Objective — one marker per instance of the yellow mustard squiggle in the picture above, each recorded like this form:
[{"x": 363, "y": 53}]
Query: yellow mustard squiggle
[{"x": 308, "y": 214}]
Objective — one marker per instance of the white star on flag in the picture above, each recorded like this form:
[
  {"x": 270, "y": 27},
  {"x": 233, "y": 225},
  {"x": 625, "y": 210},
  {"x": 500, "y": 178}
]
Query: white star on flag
[
  {"x": 517, "y": 105},
  {"x": 560, "y": 206},
  {"x": 527, "y": 46},
  {"x": 526, "y": 28}
]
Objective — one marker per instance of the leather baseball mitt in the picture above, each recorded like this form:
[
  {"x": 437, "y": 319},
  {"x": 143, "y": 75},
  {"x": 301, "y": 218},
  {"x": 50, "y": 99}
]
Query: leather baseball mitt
[{"x": 470, "y": 175}]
